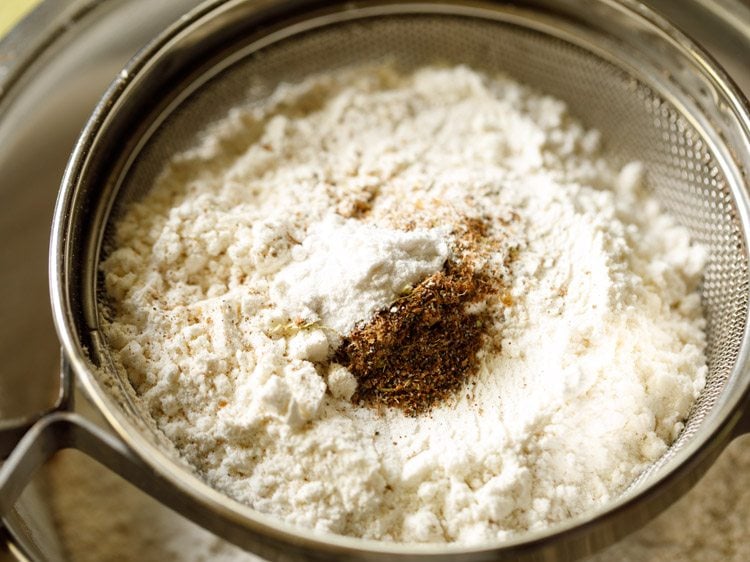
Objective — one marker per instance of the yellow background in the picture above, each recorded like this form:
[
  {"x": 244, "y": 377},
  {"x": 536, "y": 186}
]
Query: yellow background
[{"x": 11, "y": 11}]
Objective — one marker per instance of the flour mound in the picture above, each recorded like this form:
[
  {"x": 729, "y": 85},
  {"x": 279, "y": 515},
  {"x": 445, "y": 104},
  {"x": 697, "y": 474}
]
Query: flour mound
[
  {"x": 233, "y": 281},
  {"x": 345, "y": 270}
]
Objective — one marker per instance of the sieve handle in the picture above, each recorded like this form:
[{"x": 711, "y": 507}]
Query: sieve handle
[
  {"x": 12, "y": 430},
  {"x": 28, "y": 448},
  {"x": 66, "y": 430}
]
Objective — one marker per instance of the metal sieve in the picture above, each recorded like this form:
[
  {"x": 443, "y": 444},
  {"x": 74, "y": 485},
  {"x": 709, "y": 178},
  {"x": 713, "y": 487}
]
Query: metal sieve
[{"x": 653, "y": 94}]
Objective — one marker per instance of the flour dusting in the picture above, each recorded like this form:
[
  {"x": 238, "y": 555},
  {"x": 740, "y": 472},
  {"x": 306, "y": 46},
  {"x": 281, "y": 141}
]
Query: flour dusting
[
  {"x": 234, "y": 283},
  {"x": 345, "y": 270}
]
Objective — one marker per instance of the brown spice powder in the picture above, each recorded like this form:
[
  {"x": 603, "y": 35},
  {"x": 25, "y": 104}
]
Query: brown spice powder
[{"x": 421, "y": 350}]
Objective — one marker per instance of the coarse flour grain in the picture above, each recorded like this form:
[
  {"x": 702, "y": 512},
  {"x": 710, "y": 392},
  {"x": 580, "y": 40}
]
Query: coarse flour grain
[{"x": 232, "y": 283}]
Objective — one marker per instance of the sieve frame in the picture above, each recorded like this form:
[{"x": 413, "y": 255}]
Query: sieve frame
[{"x": 209, "y": 508}]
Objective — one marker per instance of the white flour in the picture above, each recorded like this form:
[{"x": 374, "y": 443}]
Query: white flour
[
  {"x": 344, "y": 270},
  {"x": 234, "y": 280},
  {"x": 709, "y": 524}
]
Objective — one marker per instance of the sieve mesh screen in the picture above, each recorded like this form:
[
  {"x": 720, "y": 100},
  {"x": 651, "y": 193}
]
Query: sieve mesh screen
[{"x": 635, "y": 122}]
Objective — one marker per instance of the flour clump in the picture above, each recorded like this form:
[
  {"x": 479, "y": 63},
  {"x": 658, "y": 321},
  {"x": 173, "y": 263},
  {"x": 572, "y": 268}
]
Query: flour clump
[{"x": 419, "y": 307}]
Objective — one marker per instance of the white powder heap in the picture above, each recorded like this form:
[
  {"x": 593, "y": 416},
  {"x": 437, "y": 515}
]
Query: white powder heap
[
  {"x": 345, "y": 270},
  {"x": 233, "y": 281}
]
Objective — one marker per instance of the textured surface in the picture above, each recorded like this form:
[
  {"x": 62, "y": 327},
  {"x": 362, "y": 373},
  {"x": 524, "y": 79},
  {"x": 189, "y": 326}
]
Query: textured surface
[
  {"x": 635, "y": 124},
  {"x": 599, "y": 353},
  {"x": 710, "y": 524}
]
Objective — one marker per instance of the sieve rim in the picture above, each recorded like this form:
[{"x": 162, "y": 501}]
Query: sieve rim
[{"x": 694, "y": 456}]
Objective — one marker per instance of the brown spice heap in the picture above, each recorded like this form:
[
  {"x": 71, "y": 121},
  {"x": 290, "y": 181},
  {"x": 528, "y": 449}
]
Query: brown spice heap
[{"x": 421, "y": 349}]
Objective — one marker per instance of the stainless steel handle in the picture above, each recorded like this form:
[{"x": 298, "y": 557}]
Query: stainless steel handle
[
  {"x": 30, "y": 441},
  {"x": 66, "y": 428},
  {"x": 13, "y": 430},
  {"x": 50, "y": 432},
  {"x": 63, "y": 430}
]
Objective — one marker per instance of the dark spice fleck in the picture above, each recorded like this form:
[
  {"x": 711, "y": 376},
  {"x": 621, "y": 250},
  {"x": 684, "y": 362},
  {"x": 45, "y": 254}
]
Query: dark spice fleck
[
  {"x": 422, "y": 348},
  {"x": 358, "y": 204}
]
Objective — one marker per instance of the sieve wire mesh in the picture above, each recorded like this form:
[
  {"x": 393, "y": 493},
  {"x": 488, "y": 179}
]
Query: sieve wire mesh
[{"x": 635, "y": 122}]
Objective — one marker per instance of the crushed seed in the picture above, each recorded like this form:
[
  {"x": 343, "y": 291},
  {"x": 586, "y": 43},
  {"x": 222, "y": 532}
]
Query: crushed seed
[{"x": 422, "y": 348}]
